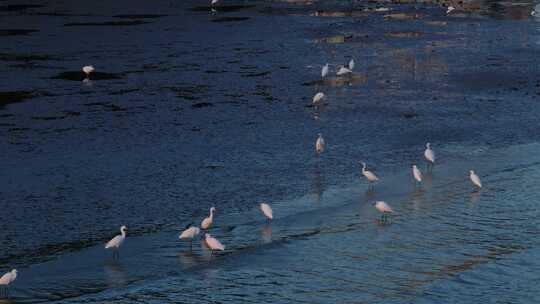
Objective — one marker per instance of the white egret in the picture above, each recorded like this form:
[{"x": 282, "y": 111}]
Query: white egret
[
  {"x": 351, "y": 64},
  {"x": 324, "y": 70},
  {"x": 208, "y": 221},
  {"x": 417, "y": 174},
  {"x": 267, "y": 210},
  {"x": 429, "y": 155},
  {"x": 536, "y": 10},
  {"x": 214, "y": 2},
  {"x": 88, "y": 70},
  {"x": 320, "y": 144},
  {"x": 383, "y": 208},
  {"x": 7, "y": 279},
  {"x": 189, "y": 233},
  {"x": 117, "y": 241},
  {"x": 343, "y": 71},
  {"x": 450, "y": 9},
  {"x": 475, "y": 179},
  {"x": 318, "y": 98},
  {"x": 371, "y": 177},
  {"x": 213, "y": 243}
]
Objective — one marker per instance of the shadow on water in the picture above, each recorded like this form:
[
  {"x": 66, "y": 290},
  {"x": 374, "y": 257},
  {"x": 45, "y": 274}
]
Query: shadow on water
[
  {"x": 230, "y": 19},
  {"x": 224, "y": 8},
  {"x": 14, "y": 97},
  {"x": 141, "y": 16},
  {"x": 16, "y": 32},
  {"x": 80, "y": 76},
  {"x": 18, "y": 7},
  {"x": 108, "y": 23}
]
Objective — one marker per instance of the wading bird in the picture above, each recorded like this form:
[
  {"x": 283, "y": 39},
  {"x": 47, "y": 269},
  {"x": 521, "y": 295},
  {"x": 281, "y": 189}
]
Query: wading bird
[
  {"x": 190, "y": 233},
  {"x": 318, "y": 98},
  {"x": 7, "y": 279},
  {"x": 384, "y": 209},
  {"x": 88, "y": 70},
  {"x": 213, "y": 243},
  {"x": 320, "y": 144},
  {"x": 371, "y": 177},
  {"x": 267, "y": 210},
  {"x": 343, "y": 71},
  {"x": 117, "y": 241},
  {"x": 351, "y": 64},
  {"x": 214, "y": 2},
  {"x": 417, "y": 174},
  {"x": 475, "y": 179},
  {"x": 429, "y": 155},
  {"x": 208, "y": 221},
  {"x": 324, "y": 70},
  {"x": 450, "y": 9}
]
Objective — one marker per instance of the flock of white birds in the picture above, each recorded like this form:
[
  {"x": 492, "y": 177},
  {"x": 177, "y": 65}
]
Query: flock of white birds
[{"x": 191, "y": 232}]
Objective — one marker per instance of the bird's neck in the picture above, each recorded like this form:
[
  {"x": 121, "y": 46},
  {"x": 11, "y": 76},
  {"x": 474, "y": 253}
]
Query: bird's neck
[
  {"x": 123, "y": 233},
  {"x": 211, "y": 213}
]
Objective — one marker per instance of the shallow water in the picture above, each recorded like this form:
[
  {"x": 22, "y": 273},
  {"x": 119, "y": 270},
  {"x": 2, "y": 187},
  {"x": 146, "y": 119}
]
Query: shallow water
[{"x": 194, "y": 109}]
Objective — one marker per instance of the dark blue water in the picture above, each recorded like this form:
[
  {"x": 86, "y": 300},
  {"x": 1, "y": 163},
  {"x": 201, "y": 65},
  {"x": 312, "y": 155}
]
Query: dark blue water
[{"x": 192, "y": 109}]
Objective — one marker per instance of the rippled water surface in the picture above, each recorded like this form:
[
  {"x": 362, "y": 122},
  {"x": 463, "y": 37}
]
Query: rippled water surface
[{"x": 192, "y": 107}]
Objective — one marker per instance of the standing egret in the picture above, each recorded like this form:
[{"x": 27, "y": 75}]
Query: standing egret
[
  {"x": 371, "y": 177},
  {"x": 324, "y": 70},
  {"x": 429, "y": 155},
  {"x": 320, "y": 144},
  {"x": 450, "y": 9},
  {"x": 351, "y": 64},
  {"x": 88, "y": 70},
  {"x": 214, "y": 2},
  {"x": 190, "y": 233},
  {"x": 267, "y": 210},
  {"x": 343, "y": 71},
  {"x": 7, "y": 279},
  {"x": 417, "y": 174},
  {"x": 117, "y": 241},
  {"x": 208, "y": 221},
  {"x": 383, "y": 208},
  {"x": 475, "y": 179},
  {"x": 318, "y": 98},
  {"x": 213, "y": 243}
]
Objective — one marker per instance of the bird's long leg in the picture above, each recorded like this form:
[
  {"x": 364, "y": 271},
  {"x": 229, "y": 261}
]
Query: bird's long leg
[{"x": 191, "y": 244}]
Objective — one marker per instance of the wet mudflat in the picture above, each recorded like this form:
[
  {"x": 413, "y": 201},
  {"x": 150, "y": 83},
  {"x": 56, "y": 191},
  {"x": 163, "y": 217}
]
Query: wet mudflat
[{"x": 192, "y": 108}]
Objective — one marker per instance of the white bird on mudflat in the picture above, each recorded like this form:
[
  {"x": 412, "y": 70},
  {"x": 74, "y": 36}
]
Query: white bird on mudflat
[
  {"x": 371, "y": 177},
  {"x": 324, "y": 70},
  {"x": 450, "y": 9},
  {"x": 214, "y": 2},
  {"x": 383, "y": 208},
  {"x": 213, "y": 243},
  {"x": 208, "y": 221},
  {"x": 88, "y": 70},
  {"x": 320, "y": 144},
  {"x": 318, "y": 98},
  {"x": 7, "y": 279},
  {"x": 190, "y": 233},
  {"x": 351, "y": 64},
  {"x": 267, "y": 210},
  {"x": 429, "y": 155},
  {"x": 417, "y": 174},
  {"x": 117, "y": 241},
  {"x": 475, "y": 179},
  {"x": 343, "y": 71}
]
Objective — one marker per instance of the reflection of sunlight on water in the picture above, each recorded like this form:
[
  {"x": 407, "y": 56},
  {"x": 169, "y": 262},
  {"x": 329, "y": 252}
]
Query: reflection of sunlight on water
[
  {"x": 266, "y": 234},
  {"x": 115, "y": 273}
]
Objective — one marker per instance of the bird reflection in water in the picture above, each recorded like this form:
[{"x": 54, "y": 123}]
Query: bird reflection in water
[
  {"x": 318, "y": 184},
  {"x": 266, "y": 233},
  {"x": 115, "y": 273},
  {"x": 188, "y": 258},
  {"x": 475, "y": 196}
]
